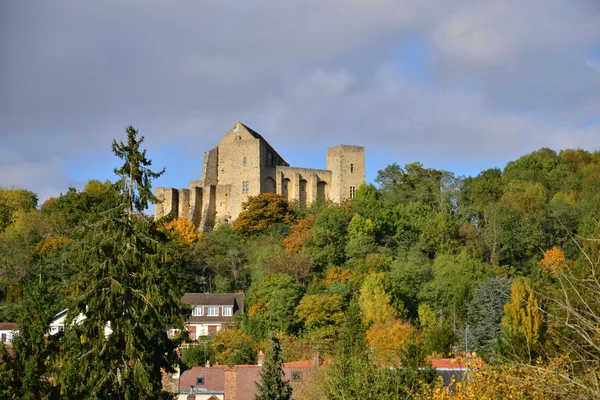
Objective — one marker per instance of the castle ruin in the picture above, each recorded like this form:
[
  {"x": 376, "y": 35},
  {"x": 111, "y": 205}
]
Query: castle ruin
[{"x": 244, "y": 164}]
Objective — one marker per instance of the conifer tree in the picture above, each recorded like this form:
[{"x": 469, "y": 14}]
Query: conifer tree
[
  {"x": 127, "y": 293},
  {"x": 272, "y": 386},
  {"x": 33, "y": 347}
]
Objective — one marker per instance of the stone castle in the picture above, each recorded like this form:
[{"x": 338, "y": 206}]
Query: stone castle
[{"x": 244, "y": 164}]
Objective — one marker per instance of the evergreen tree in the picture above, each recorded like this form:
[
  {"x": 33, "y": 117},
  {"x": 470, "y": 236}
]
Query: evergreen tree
[
  {"x": 272, "y": 386},
  {"x": 33, "y": 347},
  {"x": 126, "y": 293}
]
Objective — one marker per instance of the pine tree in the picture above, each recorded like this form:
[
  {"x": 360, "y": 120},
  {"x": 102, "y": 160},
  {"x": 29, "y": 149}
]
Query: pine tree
[
  {"x": 272, "y": 386},
  {"x": 126, "y": 291}
]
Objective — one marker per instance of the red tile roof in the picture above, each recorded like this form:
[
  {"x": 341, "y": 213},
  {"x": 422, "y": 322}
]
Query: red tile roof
[{"x": 8, "y": 326}]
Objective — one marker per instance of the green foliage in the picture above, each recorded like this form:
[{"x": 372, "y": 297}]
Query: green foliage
[
  {"x": 455, "y": 277},
  {"x": 33, "y": 350},
  {"x": 271, "y": 303},
  {"x": 14, "y": 200},
  {"x": 272, "y": 386},
  {"x": 127, "y": 293},
  {"x": 486, "y": 310}
]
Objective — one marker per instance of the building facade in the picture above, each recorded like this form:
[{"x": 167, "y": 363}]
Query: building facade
[{"x": 244, "y": 164}]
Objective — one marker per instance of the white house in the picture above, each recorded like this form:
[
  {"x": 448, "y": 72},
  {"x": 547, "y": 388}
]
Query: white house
[
  {"x": 210, "y": 311},
  {"x": 7, "y": 331}
]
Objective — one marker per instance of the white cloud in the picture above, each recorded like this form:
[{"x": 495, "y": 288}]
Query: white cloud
[{"x": 493, "y": 79}]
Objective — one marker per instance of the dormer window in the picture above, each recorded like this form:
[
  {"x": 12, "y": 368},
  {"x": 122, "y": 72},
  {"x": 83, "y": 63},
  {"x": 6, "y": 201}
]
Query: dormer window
[
  {"x": 212, "y": 311},
  {"x": 351, "y": 168},
  {"x": 227, "y": 311},
  {"x": 197, "y": 311}
]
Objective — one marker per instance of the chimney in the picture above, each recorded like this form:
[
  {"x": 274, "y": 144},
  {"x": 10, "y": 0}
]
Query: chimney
[
  {"x": 317, "y": 359},
  {"x": 261, "y": 358}
]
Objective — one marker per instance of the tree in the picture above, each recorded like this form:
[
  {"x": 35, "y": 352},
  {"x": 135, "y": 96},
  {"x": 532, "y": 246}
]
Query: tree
[
  {"x": 272, "y": 301},
  {"x": 486, "y": 311},
  {"x": 232, "y": 346},
  {"x": 260, "y": 213},
  {"x": 126, "y": 294},
  {"x": 523, "y": 316},
  {"x": 33, "y": 349},
  {"x": 13, "y": 200},
  {"x": 375, "y": 299},
  {"x": 272, "y": 386}
]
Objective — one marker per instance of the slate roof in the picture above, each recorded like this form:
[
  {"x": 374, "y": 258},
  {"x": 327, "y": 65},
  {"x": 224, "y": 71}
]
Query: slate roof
[{"x": 215, "y": 299}]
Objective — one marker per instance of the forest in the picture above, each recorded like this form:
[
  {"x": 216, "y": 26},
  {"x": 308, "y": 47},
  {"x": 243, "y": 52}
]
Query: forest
[{"x": 499, "y": 268}]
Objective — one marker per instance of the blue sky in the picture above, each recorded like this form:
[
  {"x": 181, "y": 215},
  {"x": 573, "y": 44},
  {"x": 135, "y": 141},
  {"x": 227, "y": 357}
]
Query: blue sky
[{"x": 459, "y": 85}]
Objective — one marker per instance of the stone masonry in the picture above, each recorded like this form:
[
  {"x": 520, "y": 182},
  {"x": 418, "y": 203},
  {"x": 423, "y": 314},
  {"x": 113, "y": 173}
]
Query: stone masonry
[{"x": 244, "y": 164}]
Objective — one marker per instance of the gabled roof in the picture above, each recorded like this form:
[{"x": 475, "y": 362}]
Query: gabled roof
[
  {"x": 8, "y": 326},
  {"x": 269, "y": 147},
  {"x": 214, "y": 299}
]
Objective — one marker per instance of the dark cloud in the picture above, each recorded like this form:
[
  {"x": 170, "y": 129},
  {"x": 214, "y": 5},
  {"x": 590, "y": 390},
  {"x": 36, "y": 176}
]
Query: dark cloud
[{"x": 442, "y": 80}]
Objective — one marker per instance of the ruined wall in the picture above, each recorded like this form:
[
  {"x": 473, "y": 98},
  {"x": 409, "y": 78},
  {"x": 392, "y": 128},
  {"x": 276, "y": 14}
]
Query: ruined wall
[
  {"x": 303, "y": 185},
  {"x": 169, "y": 202},
  {"x": 243, "y": 164}
]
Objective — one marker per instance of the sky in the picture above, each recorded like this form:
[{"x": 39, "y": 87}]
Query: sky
[{"x": 458, "y": 85}]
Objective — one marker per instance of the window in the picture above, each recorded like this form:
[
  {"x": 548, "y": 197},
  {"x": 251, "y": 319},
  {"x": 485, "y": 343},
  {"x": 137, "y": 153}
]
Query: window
[
  {"x": 245, "y": 161},
  {"x": 245, "y": 187},
  {"x": 197, "y": 311},
  {"x": 352, "y": 168},
  {"x": 213, "y": 312},
  {"x": 269, "y": 159},
  {"x": 227, "y": 311},
  {"x": 200, "y": 380},
  {"x": 352, "y": 191},
  {"x": 296, "y": 376}
]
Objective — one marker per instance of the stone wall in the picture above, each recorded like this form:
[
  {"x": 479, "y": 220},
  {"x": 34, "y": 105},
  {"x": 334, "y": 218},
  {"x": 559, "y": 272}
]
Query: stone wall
[{"x": 243, "y": 164}]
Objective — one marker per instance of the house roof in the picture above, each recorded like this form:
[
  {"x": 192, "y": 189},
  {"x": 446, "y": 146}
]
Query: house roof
[
  {"x": 8, "y": 326},
  {"x": 448, "y": 363},
  {"x": 214, "y": 299}
]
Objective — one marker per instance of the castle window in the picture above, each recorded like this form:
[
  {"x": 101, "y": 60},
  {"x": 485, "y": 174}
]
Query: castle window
[
  {"x": 245, "y": 161},
  {"x": 245, "y": 187},
  {"x": 269, "y": 159},
  {"x": 351, "y": 168},
  {"x": 352, "y": 191}
]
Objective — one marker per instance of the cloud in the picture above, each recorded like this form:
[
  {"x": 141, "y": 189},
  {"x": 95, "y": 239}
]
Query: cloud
[{"x": 442, "y": 81}]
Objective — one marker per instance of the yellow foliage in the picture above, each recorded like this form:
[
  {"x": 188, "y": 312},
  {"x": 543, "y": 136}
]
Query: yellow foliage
[
  {"x": 551, "y": 380},
  {"x": 554, "y": 260},
  {"x": 50, "y": 245},
  {"x": 185, "y": 231},
  {"x": 257, "y": 309},
  {"x": 385, "y": 339},
  {"x": 375, "y": 302},
  {"x": 522, "y": 314},
  {"x": 337, "y": 274}
]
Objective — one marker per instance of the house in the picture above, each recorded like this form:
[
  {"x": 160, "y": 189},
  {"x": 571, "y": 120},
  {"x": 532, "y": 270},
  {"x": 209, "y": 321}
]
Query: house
[
  {"x": 244, "y": 164},
  {"x": 233, "y": 382},
  {"x": 7, "y": 331},
  {"x": 210, "y": 311},
  {"x": 58, "y": 323}
]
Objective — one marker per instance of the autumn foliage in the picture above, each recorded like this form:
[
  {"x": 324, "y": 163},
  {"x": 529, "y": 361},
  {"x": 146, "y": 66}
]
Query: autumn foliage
[{"x": 260, "y": 213}]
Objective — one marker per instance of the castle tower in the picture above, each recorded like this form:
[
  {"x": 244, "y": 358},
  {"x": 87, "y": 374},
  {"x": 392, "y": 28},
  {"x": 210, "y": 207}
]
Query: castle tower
[{"x": 347, "y": 166}]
